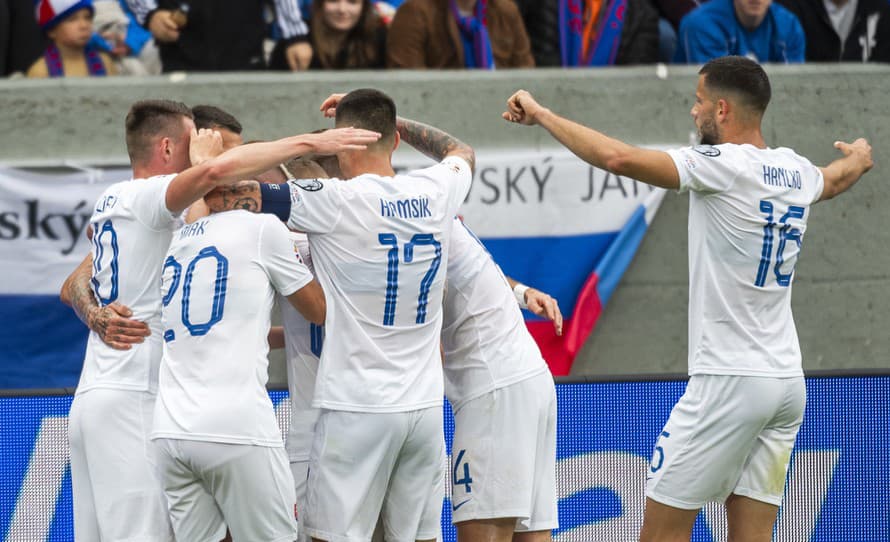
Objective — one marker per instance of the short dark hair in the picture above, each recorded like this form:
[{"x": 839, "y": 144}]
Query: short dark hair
[
  {"x": 370, "y": 109},
  {"x": 148, "y": 119},
  {"x": 739, "y": 76},
  {"x": 210, "y": 116}
]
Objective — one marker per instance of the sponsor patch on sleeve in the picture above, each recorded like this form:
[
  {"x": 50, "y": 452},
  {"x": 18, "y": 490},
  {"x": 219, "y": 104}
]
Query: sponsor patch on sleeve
[
  {"x": 309, "y": 185},
  {"x": 707, "y": 150}
]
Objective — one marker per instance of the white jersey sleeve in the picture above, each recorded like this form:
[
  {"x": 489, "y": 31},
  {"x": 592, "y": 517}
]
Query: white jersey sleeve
[
  {"x": 316, "y": 204},
  {"x": 705, "y": 168},
  {"x": 148, "y": 203},
  {"x": 452, "y": 170},
  {"x": 278, "y": 252}
]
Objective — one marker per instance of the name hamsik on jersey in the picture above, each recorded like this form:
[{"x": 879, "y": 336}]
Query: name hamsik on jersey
[
  {"x": 748, "y": 211},
  {"x": 219, "y": 281},
  {"x": 379, "y": 245}
]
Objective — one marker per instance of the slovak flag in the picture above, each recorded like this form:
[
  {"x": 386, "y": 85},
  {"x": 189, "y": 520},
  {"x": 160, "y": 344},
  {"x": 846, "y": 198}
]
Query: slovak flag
[
  {"x": 564, "y": 227},
  {"x": 583, "y": 308}
]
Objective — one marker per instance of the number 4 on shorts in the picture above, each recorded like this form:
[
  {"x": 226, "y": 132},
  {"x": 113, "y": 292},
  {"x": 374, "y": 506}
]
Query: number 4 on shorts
[{"x": 466, "y": 480}]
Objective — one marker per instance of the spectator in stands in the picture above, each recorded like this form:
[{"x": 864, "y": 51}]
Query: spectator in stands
[
  {"x": 757, "y": 29},
  {"x": 21, "y": 40},
  {"x": 118, "y": 33},
  {"x": 482, "y": 34},
  {"x": 844, "y": 30},
  {"x": 347, "y": 34},
  {"x": 670, "y": 13},
  {"x": 674, "y": 10},
  {"x": 594, "y": 32},
  {"x": 212, "y": 117},
  {"x": 69, "y": 26},
  {"x": 222, "y": 35}
]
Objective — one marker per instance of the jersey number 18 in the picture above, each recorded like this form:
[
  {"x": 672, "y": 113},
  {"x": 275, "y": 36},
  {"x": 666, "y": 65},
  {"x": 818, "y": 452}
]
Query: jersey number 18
[{"x": 786, "y": 233}]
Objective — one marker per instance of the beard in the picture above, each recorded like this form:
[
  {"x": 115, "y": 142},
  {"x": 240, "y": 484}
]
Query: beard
[{"x": 707, "y": 133}]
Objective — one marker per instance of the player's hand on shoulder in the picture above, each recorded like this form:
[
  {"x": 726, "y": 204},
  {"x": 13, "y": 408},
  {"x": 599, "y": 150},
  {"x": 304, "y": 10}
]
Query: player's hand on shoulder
[
  {"x": 204, "y": 145},
  {"x": 341, "y": 139},
  {"x": 859, "y": 149},
  {"x": 329, "y": 106},
  {"x": 522, "y": 108},
  {"x": 115, "y": 327},
  {"x": 544, "y": 305}
]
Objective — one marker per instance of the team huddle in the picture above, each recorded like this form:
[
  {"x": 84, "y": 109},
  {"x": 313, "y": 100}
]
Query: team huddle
[{"x": 388, "y": 302}]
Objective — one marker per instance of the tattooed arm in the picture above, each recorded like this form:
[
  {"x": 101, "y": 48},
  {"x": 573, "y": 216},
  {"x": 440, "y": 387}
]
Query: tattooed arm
[
  {"x": 433, "y": 142},
  {"x": 243, "y": 195},
  {"x": 111, "y": 322}
]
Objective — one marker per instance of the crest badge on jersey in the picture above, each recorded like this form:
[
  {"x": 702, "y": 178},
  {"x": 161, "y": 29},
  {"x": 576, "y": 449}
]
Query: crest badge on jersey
[
  {"x": 707, "y": 150},
  {"x": 309, "y": 185}
]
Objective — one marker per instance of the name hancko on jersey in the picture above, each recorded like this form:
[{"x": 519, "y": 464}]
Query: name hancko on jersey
[
  {"x": 778, "y": 176},
  {"x": 406, "y": 208}
]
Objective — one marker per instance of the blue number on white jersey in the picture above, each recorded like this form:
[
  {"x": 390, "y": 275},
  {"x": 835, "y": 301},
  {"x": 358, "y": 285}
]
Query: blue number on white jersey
[
  {"x": 786, "y": 233},
  {"x": 102, "y": 237},
  {"x": 392, "y": 273},
  {"x": 218, "y": 303}
]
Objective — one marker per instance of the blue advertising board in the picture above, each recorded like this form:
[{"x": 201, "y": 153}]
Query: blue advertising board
[{"x": 838, "y": 487}]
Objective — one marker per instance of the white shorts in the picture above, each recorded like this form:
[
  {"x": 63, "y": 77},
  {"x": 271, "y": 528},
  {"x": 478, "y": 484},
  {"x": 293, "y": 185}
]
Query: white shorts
[
  {"x": 727, "y": 435},
  {"x": 211, "y": 486},
  {"x": 300, "y": 471},
  {"x": 364, "y": 465},
  {"x": 114, "y": 479},
  {"x": 503, "y": 459}
]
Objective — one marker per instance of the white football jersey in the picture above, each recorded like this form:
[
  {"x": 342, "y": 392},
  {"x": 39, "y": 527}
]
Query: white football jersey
[
  {"x": 380, "y": 248},
  {"x": 748, "y": 211},
  {"x": 219, "y": 281},
  {"x": 486, "y": 343},
  {"x": 302, "y": 343},
  {"x": 131, "y": 233}
]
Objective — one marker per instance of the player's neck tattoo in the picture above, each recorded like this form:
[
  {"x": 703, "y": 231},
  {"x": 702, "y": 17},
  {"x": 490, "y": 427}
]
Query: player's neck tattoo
[{"x": 244, "y": 195}]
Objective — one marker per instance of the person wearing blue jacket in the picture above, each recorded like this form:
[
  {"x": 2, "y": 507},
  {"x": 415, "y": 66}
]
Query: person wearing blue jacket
[{"x": 757, "y": 29}]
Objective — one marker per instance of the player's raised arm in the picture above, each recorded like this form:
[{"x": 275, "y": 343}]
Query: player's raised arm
[
  {"x": 433, "y": 142},
  {"x": 646, "y": 165},
  {"x": 429, "y": 140},
  {"x": 843, "y": 173},
  {"x": 248, "y": 160}
]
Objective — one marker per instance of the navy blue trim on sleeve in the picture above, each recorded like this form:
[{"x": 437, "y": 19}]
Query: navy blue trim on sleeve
[{"x": 276, "y": 200}]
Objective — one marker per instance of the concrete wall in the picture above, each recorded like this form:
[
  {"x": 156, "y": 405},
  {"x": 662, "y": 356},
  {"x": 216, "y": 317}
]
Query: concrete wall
[{"x": 842, "y": 290}]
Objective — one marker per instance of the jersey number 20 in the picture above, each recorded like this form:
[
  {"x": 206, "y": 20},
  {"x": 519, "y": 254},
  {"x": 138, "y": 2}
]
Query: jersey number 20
[{"x": 219, "y": 290}]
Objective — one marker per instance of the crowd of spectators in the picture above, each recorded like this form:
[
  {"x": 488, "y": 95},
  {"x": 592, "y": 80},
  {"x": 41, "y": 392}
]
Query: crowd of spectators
[{"x": 53, "y": 38}]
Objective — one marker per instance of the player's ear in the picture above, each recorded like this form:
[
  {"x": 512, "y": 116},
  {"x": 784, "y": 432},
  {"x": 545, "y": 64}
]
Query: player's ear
[
  {"x": 723, "y": 109},
  {"x": 167, "y": 148},
  {"x": 395, "y": 141}
]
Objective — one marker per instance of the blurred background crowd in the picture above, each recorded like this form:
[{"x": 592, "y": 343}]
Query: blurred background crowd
[{"x": 57, "y": 38}]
